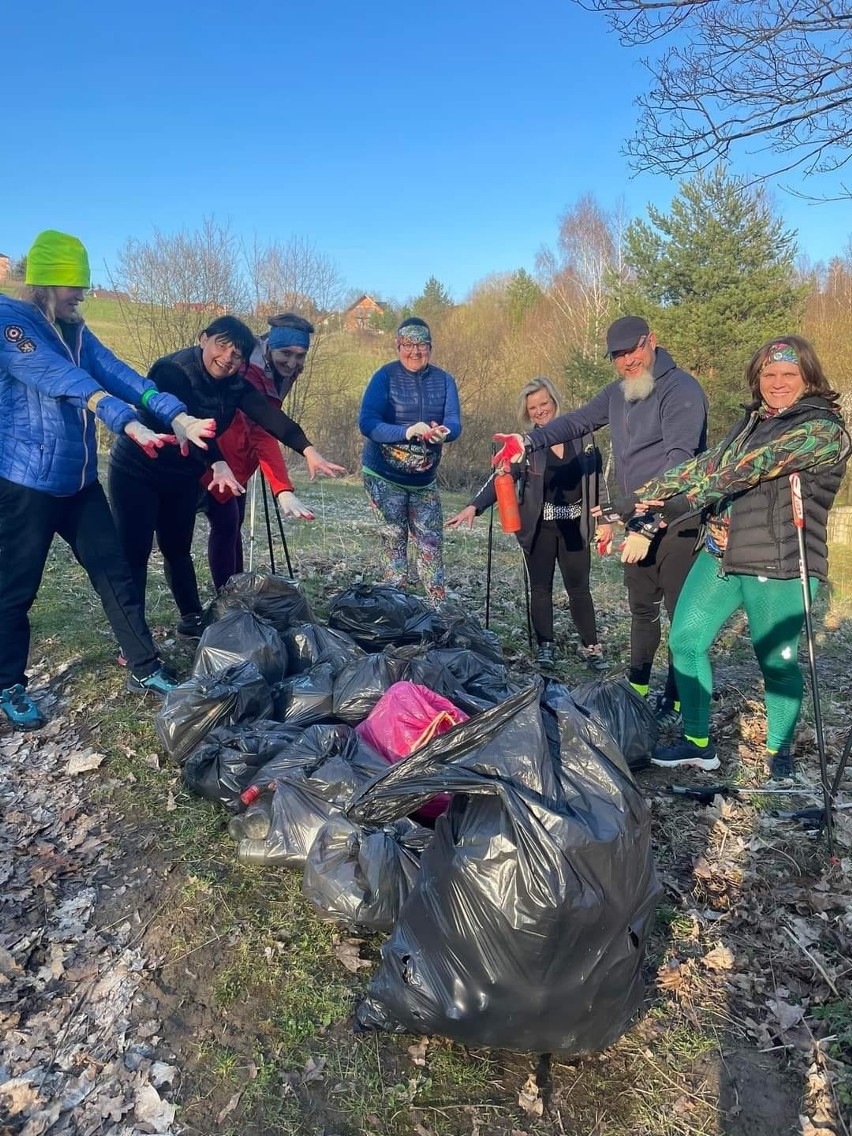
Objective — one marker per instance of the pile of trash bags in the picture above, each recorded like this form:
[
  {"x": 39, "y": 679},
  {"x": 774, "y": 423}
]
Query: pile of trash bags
[{"x": 490, "y": 827}]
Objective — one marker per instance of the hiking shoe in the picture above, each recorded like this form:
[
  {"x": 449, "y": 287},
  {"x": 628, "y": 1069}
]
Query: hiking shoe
[
  {"x": 545, "y": 657},
  {"x": 191, "y": 626},
  {"x": 781, "y": 765},
  {"x": 686, "y": 753},
  {"x": 159, "y": 682},
  {"x": 593, "y": 657},
  {"x": 20, "y": 709},
  {"x": 666, "y": 714}
]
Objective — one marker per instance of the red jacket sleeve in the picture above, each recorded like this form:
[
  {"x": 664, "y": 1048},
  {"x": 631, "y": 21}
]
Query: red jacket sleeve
[{"x": 271, "y": 460}]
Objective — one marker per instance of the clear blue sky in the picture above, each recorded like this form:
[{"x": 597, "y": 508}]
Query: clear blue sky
[{"x": 403, "y": 140}]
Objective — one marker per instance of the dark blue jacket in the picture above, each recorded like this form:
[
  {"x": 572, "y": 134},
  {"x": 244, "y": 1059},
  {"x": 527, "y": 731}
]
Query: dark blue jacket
[
  {"x": 649, "y": 436},
  {"x": 47, "y": 436},
  {"x": 395, "y": 399}
]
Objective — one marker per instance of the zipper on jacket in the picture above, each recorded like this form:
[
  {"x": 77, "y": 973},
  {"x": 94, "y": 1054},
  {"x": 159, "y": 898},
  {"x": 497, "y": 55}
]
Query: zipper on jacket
[{"x": 76, "y": 362}]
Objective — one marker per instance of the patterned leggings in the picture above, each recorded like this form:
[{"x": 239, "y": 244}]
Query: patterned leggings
[
  {"x": 776, "y": 615},
  {"x": 401, "y": 511}
]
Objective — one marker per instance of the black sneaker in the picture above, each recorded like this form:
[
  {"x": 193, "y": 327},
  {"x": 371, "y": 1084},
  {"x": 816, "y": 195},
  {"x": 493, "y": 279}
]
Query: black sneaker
[
  {"x": 668, "y": 717},
  {"x": 20, "y": 709},
  {"x": 191, "y": 626},
  {"x": 593, "y": 657},
  {"x": 545, "y": 657},
  {"x": 160, "y": 682},
  {"x": 686, "y": 753},
  {"x": 781, "y": 765}
]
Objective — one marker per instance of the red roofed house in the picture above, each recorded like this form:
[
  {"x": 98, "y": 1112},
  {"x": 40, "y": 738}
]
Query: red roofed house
[{"x": 357, "y": 315}]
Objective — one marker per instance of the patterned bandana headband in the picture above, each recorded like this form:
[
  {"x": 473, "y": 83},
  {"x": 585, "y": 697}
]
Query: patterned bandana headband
[
  {"x": 781, "y": 353},
  {"x": 414, "y": 333}
]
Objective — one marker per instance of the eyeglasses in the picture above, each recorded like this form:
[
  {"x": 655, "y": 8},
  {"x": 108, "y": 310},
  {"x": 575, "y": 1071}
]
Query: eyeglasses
[
  {"x": 406, "y": 345},
  {"x": 632, "y": 351}
]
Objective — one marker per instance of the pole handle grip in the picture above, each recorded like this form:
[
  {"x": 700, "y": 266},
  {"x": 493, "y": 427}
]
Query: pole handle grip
[{"x": 796, "y": 496}]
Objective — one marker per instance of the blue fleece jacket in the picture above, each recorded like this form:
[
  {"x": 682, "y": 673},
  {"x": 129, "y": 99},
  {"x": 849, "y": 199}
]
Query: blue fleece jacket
[
  {"x": 395, "y": 399},
  {"x": 649, "y": 436}
]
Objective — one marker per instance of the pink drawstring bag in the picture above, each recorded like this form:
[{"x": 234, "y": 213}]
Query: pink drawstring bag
[{"x": 406, "y": 718}]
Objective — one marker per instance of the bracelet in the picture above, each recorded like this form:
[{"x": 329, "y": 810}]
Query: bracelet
[
  {"x": 93, "y": 400},
  {"x": 148, "y": 394}
]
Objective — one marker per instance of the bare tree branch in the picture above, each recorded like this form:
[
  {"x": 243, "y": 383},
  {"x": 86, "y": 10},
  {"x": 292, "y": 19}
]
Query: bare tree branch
[{"x": 769, "y": 76}]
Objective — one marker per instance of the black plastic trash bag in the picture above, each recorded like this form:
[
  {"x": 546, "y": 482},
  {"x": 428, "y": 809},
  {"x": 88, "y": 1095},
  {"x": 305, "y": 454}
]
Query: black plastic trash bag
[
  {"x": 190, "y": 711},
  {"x": 311, "y": 784},
  {"x": 361, "y": 876},
  {"x": 275, "y": 598},
  {"x": 526, "y": 927},
  {"x": 241, "y": 636},
  {"x": 625, "y": 714},
  {"x": 225, "y": 762},
  {"x": 477, "y": 683},
  {"x": 360, "y": 685},
  {"x": 378, "y": 616},
  {"x": 455, "y": 628},
  {"x": 311, "y": 643},
  {"x": 305, "y": 698}
]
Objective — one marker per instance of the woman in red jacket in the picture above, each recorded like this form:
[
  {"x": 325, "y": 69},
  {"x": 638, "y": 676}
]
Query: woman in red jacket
[{"x": 275, "y": 364}]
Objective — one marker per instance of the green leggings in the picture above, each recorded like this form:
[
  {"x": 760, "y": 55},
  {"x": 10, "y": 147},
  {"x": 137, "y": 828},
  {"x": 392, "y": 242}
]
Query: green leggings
[{"x": 776, "y": 616}]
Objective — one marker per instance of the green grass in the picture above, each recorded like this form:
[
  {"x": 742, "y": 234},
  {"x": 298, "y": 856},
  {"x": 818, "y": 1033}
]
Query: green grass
[{"x": 279, "y": 1004}]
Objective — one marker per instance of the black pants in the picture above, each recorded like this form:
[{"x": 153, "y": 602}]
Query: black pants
[
  {"x": 165, "y": 506},
  {"x": 29, "y": 520},
  {"x": 560, "y": 542},
  {"x": 655, "y": 580}
]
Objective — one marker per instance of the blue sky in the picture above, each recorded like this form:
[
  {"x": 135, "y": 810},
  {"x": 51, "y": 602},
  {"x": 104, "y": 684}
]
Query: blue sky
[{"x": 404, "y": 141}]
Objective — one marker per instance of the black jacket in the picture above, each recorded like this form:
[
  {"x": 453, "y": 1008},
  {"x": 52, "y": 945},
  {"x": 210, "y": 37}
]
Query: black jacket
[
  {"x": 183, "y": 374},
  {"x": 762, "y": 539},
  {"x": 529, "y": 476}
]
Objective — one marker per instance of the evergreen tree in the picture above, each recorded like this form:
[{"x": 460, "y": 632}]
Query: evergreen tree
[
  {"x": 522, "y": 294},
  {"x": 433, "y": 302},
  {"x": 715, "y": 278}
]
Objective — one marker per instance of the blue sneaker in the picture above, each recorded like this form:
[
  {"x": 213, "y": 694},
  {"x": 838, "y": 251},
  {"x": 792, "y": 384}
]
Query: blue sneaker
[
  {"x": 160, "y": 682},
  {"x": 20, "y": 709},
  {"x": 686, "y": 753}
]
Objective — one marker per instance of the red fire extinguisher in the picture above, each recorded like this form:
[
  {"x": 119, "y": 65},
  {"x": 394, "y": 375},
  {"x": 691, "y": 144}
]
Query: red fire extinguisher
[{"x": 507, "y": 501}]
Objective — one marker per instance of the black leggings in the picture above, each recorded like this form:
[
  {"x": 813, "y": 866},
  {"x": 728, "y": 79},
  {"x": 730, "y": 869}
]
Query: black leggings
[
  {"x": 560, "y": 541},
  {"x": 143, "y": 507},
  {"x": 29, "y": 520}
]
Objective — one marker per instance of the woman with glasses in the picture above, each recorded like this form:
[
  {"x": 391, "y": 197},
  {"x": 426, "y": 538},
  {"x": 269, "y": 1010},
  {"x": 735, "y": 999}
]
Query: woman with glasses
[
  {"x": 160, "y": 497},
  {"x": 410, "y": 409},
  {"x": 558, "y": 494}
]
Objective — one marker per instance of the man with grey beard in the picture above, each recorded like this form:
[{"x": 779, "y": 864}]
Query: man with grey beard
[{"x": 657, "y": 415}]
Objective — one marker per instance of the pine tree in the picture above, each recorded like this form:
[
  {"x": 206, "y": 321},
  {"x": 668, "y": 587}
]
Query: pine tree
[{"x": 715, "y": 278}]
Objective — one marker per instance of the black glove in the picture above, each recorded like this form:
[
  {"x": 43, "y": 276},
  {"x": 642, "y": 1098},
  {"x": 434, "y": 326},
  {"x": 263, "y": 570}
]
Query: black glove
[
  {"x": 677, "y": 507},
  {"x": 646, "y": 524},
  {"x": 625, "y": 506}
]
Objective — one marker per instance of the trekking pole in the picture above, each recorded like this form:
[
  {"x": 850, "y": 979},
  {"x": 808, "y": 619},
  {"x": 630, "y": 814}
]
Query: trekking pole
[
  {"x": 488, "y": 567},
  {"x": 799, "y": 522},
  {"x": 284, "y": 542},
  {"x": 252, "y": 510},
  {"x": 268, "y": 522}
]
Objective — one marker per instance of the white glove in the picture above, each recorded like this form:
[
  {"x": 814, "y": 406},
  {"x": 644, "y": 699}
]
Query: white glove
[
  {"x": 146, "y": 439},
  {"x": 437, "y": 434},
  {"x": 635, "y": 548},
  {"x": 291, "y": 506},
  {"x": 417, "y": 430},
  {"x": 188, "y": 429},
  {"x": 223, "y": 478}
]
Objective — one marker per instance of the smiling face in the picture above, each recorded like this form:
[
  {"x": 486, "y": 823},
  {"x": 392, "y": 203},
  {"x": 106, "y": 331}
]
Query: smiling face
[
  {"x": 66, "y": 302},
  {"x": 781, "y": 384},
  {"x": 287, "y": 362},
  {"x": 541, "y": 408},
  {"x": 220, "y": 357},
  {"x": 638, "y": 360}
]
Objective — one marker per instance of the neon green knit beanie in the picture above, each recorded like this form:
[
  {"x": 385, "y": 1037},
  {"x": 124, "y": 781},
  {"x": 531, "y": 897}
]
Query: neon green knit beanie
[{"x": 58, "y": 260}]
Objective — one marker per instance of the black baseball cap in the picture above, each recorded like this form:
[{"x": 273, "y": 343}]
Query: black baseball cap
[{"x": 625, "y": 333}]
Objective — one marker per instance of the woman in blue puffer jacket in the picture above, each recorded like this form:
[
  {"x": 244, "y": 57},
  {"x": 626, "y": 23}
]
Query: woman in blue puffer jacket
[
  {"x": 56, "y": 378},
  {"x": 410, "y": 409}
]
